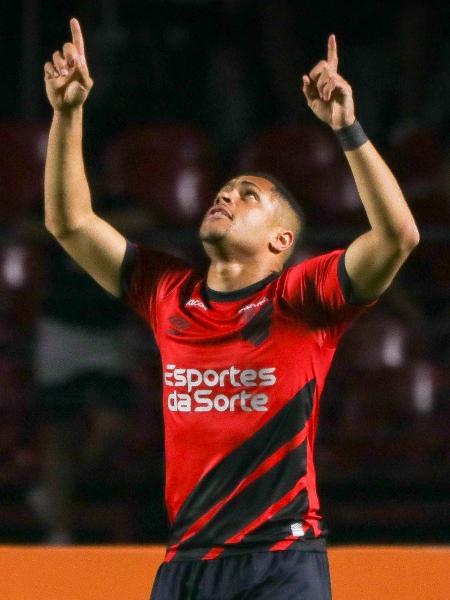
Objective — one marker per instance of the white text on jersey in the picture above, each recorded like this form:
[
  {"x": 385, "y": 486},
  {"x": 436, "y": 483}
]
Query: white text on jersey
[{"x": 205, "y": 400}]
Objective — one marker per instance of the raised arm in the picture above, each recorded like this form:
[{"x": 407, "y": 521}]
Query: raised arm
[
  {"x": 92, "y": 242},
  {"x": 374, "y": 258}
]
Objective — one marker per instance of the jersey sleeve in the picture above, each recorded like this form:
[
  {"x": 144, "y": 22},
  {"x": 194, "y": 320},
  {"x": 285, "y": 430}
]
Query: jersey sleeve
[
  {"x": 147, "y": 277},
  {"x": 321, "y": 290}
]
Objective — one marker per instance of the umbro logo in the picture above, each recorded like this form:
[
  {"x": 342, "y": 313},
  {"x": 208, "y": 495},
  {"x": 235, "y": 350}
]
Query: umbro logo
[{"x": 198, "y": 303}]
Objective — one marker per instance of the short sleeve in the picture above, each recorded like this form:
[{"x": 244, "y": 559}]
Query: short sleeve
[
  {"x": 321, "y": 290},
  {"x": 147, "y": 277}
]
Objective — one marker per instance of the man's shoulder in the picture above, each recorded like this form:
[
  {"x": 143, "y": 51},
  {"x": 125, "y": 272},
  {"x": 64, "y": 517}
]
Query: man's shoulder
[{"x": 150, "y": 270}]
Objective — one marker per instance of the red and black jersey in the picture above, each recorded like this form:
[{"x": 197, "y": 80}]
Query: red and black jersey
[{"x": 243, "y": 373}]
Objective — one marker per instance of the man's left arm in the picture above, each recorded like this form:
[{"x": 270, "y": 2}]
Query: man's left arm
[{"x": 374, "y": 258}]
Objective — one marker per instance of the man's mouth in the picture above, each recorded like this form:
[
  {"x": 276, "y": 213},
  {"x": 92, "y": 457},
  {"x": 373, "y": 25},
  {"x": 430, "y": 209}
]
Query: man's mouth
[{"x": 219, "y": 211}]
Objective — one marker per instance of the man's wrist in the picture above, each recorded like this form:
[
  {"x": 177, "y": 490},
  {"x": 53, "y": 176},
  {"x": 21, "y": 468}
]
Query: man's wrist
[
  {"x": 349, "y": 124},
  {"x": 351, "y": 136},
  {"x": 68, "y": 113}
]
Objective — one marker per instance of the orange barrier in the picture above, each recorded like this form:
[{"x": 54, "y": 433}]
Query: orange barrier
[
  {"x": 127, "y": 572},
  {"x": 390, "y": 572}
]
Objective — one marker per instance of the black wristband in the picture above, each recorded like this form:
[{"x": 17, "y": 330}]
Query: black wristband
[{"x": 351, "y": 137}]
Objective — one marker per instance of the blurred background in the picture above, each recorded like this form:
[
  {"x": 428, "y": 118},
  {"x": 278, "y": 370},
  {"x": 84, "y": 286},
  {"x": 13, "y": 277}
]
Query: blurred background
[{"x": 186, "y": 94}]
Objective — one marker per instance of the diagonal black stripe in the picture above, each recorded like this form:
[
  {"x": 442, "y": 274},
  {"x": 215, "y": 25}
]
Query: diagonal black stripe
[
  {"x": 251, "y": 502},
  {"x": 257, "y": 330},
  {"x": 281, "y": 522},
  {"x": 226, "y": 475},
  {"x": 276, "y": 528}
]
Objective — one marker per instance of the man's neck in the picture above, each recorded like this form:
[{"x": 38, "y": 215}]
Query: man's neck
[{"x": 227, "y": 276}]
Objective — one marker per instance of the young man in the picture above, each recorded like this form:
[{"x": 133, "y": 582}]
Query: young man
[{"x": 245, "y": 349}]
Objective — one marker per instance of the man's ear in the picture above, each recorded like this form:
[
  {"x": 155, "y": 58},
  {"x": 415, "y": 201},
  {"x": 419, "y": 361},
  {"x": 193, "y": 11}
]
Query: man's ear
[{"x": 281, "y": 241}]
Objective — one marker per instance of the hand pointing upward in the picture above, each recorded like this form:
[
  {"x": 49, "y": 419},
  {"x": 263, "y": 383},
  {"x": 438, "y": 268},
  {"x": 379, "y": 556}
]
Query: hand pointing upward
[
  {"x": 328, "y": 95},
  {"x": 67, "y": 79}
]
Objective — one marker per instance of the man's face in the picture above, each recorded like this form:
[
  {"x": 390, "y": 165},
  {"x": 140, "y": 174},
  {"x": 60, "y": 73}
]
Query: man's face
[{"x": 243, "y": 214}]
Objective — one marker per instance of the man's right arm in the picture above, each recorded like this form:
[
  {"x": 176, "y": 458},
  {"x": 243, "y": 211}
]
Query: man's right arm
[{"x": 92, "y": 242}]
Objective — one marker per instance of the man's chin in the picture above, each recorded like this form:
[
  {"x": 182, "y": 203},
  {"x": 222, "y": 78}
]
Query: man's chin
[{"x": 211, "y": 235}]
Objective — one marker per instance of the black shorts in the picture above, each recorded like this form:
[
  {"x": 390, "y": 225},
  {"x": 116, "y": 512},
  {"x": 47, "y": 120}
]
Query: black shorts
[{"x": 281, "y": 575}]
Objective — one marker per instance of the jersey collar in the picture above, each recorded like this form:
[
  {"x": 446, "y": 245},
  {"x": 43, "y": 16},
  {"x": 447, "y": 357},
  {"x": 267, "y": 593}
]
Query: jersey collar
[{"x": 240, "y": 293}]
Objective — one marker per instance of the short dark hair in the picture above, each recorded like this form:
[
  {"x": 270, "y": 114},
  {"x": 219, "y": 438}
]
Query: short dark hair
[{"x": 280, "y": 189}]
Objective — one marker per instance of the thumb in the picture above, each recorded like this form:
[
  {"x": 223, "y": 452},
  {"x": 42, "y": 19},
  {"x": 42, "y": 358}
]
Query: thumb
[{"x": 308, "y": 88}]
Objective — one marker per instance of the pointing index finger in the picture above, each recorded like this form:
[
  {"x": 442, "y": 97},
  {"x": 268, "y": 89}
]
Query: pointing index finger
[
  {"x": 77, "y": 39},
  {"x": 332, "y": 55}
]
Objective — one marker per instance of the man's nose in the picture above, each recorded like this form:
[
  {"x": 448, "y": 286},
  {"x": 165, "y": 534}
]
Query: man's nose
[{"x": 225, "y": 197}]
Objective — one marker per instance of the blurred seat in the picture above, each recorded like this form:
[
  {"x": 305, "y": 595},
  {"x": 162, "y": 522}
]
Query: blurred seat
[
  {"x": 16, "y": 399},
  {"x": 21, "y": 166},
  {"x": 21, "y": 286},
  {"x": 378, "y": 340},
  {"x": 387, "y": 401},
  {"x": 416, "y": 157},
  {"x": 15, "y": 385},
  {"x": 290, "y": 151},
  {"x": 429, "y": 268},
  {"x": 377, "y": 343},
  {"x": 417, "y": 160},
  {"x": 309, "y": 161},
  {"x": 432, "y": 210},
  {"x": 388, "y": 420},
  {"x": 439, "y": 264},
  {"x": 171, "y": 169}
]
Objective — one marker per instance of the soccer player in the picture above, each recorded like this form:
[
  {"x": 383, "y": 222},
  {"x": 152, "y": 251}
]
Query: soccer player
[{"x": 245, "y": 347}]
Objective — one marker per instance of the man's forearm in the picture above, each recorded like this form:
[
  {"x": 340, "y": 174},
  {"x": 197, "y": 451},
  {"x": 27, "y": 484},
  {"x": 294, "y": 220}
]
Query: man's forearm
[
  {"x": 67, "y": 195},
  {"x": 373, "y": 259},
  {"x": 383, "y": 200}
]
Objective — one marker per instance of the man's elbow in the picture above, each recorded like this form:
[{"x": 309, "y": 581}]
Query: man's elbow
[
  {"x": 56, "y": 230},
  {"x": 409, "y": 239},
  {"x": 403, "y": 242},
  {"x": 62, "y": 228},
  {"x": 50, "y": 227}
]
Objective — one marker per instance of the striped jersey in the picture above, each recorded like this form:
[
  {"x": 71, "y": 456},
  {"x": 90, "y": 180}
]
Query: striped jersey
[{"x": 243, "y": 373}]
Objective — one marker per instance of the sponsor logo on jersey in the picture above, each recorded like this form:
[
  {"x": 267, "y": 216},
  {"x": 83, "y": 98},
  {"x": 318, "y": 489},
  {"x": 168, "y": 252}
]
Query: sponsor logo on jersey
[
  {"x": 197, "y": 303},
  {"x": 253, "y": 305},
  {"x": 202, "y": 391}
]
